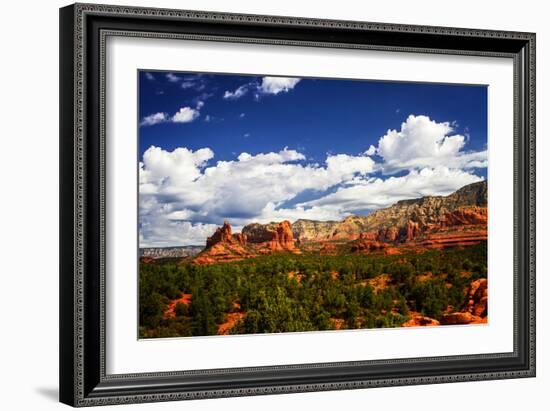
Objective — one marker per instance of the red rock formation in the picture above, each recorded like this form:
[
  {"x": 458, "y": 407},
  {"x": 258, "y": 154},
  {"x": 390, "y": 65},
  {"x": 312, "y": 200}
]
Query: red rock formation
[
  {"x": 284, "y": 235},
  {"x": 342, "y": 235},
  {"x": 270, "y": 237},
  {"x": 388, "y": 235},
  {"x": 465, "y": 216},
  {"x": 222, "y": 235},
  {"x": 445, "y": 239},
  {"x": 367, "y": 246},
  {"x": 474, "y": 310},
  {"x": 222, "y": 252},
  {"x": 410, "y": 231},
  {"x": 461, "y": 318},
  {"x": 371, "y": 235},
  {"x": 240, "y": 238},
  {"x": 420, "y": 321},
  {"x": 224, "y": 246},
  {"x": 476, "y": 303}
]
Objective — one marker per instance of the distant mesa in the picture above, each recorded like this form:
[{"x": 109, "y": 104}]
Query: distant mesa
[{"x": 150, "y": 254}]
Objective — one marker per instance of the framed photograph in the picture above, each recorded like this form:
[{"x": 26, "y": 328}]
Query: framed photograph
[{"x": 260, "y": 204}]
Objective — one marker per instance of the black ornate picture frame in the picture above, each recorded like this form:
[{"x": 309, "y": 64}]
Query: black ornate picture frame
[{"x": 83, "y": 32}]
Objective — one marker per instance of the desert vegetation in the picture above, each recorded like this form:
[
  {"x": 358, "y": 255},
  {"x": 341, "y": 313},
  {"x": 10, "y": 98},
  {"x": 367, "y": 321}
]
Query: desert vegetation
[{"x": 311, "y": 291}]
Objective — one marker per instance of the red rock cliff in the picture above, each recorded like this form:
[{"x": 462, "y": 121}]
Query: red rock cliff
[
  {"x": 273, "y": 236},
  {"x": 465, "y": 216}
]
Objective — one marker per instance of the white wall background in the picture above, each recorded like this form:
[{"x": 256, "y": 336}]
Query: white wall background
[{"x": 29, "y": 204}]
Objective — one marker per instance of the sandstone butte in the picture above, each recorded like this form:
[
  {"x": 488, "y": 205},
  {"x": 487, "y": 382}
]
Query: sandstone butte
[{"x": 255, "y": 239}]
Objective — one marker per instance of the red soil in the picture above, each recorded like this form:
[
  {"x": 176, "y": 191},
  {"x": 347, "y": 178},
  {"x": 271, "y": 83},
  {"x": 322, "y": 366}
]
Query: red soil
[
  {"x": 231, "y": 319},
  {"x": 185, "y": 299}
]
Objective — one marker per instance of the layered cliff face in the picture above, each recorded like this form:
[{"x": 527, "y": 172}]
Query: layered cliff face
[
  {"x": 415, "y": 214},
  {"x": 312, "y": 230},
  {"x": 465, "y": 216},
  {"x": 428, "y": 210},
  {"x": 461, "y": 227}
]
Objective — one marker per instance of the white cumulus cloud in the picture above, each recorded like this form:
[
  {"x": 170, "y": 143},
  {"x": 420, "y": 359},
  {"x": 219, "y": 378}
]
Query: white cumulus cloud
[
  {"x": 163, "y": 232},
  {"x": 374, "y": 193},
  {"x": 238, "y": 93},
  {"x": 185, "y": 115},
  {"x": 155, "y": 118},
  {"x": 276, "y": 85},
  {"x": 184, "y": 185},
  {"x": 267, "y": 85},
  {"x": 171, "y": 77},
  {"x": 423, "y": 142}
]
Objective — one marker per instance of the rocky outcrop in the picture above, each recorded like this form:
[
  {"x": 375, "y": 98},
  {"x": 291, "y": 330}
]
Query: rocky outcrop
[
  {"x": 284, "y": 237},
  {"x": 271, "y": 237},
  {"x": 474, "y": 310},
  {"x": 255, "y": 239},
  {"x": 224, "y": 246},
  {"x": 312, "y": 230},
  {"x": 223, "y": 235},
  {"x": 461, "y": 318},
  {"x": 420, "y": 321},
  {"x": 428, "y": 210},
  {"x": 477, "y": 298},
  {"x": 367, "y": 246},
  {"x": 465, "y": 216},
  {"x": 388, "y": 235},
  {"x": 223, "y": 252},
  {"x": 409, "y": 231},
  {"x": 371, "y": 236},
  {"x": 460, "y": 238}
]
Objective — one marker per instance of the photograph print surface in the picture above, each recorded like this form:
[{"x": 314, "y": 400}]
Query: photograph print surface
[{"x": 272, "y": 204}]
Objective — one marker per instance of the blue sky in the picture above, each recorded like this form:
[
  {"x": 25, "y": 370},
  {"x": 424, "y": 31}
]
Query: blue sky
[{"x": 256, "y": 149}]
